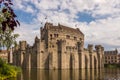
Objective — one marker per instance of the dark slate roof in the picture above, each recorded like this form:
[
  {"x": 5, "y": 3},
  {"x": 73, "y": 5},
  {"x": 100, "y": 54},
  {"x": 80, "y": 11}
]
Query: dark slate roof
[{"x": 111, "y": 52}]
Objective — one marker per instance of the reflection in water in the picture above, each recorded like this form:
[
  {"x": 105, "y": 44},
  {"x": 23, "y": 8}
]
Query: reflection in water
[
  {"x": 113, "y": 74},
  {"x": 83, "y": 74}
]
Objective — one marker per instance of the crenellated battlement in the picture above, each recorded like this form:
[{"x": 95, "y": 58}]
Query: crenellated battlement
[
  {"x": 90, "y": 48},
  {"x": 48, "y": 25},
  {"x": 93, "y": 49},
  {"x": 99, "y": 48}
]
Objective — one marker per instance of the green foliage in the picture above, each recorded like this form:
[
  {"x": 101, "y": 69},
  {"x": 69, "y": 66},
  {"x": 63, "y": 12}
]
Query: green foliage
[
  {"x": 7, "y": 71},
  {"x": 7, "y": 38},
  {"x": 112, "y": 65},
  {"x": 8, "y": 22},
  {"x": 7, "y": 15},
  {"x": 1, "y": 63}
]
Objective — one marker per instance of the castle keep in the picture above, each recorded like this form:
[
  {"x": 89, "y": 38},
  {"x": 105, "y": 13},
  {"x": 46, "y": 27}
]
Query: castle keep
[{"x": 59, "y": 47}]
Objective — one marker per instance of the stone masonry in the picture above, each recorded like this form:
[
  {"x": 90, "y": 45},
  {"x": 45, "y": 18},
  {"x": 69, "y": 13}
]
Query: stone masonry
[{"x": 59, "y": 47}]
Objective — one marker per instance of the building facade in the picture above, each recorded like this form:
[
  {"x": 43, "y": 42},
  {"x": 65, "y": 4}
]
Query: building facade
[
  {"x": 112, "y": 57},
  {"x": 59, "y": 47},
  {"x": 4, "y": 55}
]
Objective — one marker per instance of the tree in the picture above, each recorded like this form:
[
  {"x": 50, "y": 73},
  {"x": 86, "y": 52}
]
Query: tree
[
  {"x": 7, "y": 15},
  {"x": 7, "y": 38},
  {"x": 8, "y": 22}
]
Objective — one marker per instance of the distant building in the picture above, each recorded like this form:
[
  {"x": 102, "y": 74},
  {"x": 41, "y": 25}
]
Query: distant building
[
  {"x": 111, "y": 57},
  {"x": 118, "y": 58},
  {"x": 4, "y": 55}
]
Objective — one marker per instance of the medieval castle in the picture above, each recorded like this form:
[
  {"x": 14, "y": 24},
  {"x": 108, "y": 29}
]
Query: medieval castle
[{"x": 59, "y": 47}]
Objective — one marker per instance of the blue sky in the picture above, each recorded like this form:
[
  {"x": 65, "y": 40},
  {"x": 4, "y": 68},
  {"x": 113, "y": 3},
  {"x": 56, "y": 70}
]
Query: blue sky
[
  {"x": 85, "y": 17},
  {"x": 24, "y": 17},
  {"x": 99, "y": 20}
]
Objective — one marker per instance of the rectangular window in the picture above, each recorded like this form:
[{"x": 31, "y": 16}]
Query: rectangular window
[
  {"x": 75, "y": 38},
  {"x": 50, "y": 36},
  {"x": 56, "y": 35},
  {"x": 67, "y": 36},
  {"x": 66, "y": 47},
  {"x": 105, "y": 57}
]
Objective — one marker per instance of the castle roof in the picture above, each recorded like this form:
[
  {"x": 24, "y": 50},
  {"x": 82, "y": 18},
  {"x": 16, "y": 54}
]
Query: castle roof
[
  {"x": 61, "y": 27},
  {"x": 71, "y": 29}
]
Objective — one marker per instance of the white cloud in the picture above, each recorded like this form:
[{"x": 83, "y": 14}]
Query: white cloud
[
  {"x": 24, "y": 6},
  {"x": 28, "y": 32},
  {"x": 29, "y": 9},
  {"x": 104, "y": 30}
]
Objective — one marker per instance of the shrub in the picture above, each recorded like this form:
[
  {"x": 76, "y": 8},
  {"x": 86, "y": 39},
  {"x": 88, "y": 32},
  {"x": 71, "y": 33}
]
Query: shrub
[{"x": 7, "y": 71}]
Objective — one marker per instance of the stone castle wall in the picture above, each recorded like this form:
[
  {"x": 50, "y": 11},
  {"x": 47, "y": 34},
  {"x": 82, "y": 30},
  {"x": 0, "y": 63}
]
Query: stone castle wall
[{"x": 59, "y": 47}]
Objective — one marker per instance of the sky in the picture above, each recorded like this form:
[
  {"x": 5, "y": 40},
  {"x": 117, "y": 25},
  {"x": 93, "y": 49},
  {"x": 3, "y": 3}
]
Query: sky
[{"x": 99, "y": 20}]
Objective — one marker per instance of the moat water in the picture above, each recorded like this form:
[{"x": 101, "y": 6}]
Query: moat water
[{"x": 83, "y": 74}]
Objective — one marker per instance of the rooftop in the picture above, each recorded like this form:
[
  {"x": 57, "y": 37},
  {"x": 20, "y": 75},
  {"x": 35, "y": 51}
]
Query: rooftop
[
  {"x": 111, "y": 52},
  {"x": 62, "y": 27}
]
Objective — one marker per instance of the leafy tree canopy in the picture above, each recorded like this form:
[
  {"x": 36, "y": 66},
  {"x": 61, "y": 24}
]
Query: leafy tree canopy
[
  {"x": 7, "y": 15},
  {"x": 8, "y": 22}
]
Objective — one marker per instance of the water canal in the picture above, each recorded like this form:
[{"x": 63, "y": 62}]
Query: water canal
[{"x": 83, "y": 74}]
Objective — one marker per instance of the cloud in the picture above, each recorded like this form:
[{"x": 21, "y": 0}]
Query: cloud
[
  {"x": 104, "y": 29},
  {"x": 28, "y": 32},
  {"x": 24, "y": 5}
]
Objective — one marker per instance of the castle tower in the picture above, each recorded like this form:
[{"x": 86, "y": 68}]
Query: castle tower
[
  {"x": 63, "y": 56},
  {"x": 10, "y": 56},
  {"x": 90, "y": 49},
  {"x": 15, "y": 52},
  {"x": 14, "y": 56},
  {"x": 37, "y": 44},
  {"x": 22, "y": 53},
  {"x": 27, "y": 58},
  {"x": 100, "y": 52},
  {"x": 35, "y": 53},
  {"x": 81, "y": 55}
]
